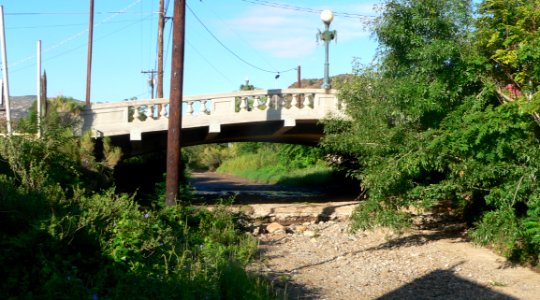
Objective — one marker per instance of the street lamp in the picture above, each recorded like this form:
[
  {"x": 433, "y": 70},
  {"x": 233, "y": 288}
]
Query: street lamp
[{"x": 327, "y": 35}]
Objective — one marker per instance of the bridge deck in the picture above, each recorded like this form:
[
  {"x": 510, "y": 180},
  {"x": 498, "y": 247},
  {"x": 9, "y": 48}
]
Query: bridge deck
[{"x": 290, "y": 116}]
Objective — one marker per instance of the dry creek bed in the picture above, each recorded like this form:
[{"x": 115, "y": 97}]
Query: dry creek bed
[{"x": 325, "y": 261}]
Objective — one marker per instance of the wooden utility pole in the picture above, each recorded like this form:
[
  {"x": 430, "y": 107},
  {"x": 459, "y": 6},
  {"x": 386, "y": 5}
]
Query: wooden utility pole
[
  {"x": 44, "y": 92},
  {"x": 299, "y": 77},
  {"x": 39, "y": 106},
  {"x": 5, "y": 81},
  {"x": 161, "y": 27},
  {"x": 175, "y": 103},
  {"x": 151, "y": 81},
  {"x": 89, "y": 60}
]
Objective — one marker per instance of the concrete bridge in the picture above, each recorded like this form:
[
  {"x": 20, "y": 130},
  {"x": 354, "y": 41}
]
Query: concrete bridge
[{"x": 287, "y": 116}]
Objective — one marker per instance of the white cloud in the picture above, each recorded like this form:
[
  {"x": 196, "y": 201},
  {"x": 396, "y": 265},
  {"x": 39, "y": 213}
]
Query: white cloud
[{"x": 292, "y": 34}]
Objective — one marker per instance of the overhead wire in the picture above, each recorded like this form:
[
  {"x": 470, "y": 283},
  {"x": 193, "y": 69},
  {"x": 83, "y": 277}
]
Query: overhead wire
[
  {"x": 75, "y": 36},
  {"x": 66, "y": 13},
  {"x": 240, "y": 37},
  {"x": 306, "y": 9},
  {"x": 61, "y": 25},
  {"x": 83, "y": 45},
  {"x": 231, "y": 51},
  {"x": 209, "y": 63}
]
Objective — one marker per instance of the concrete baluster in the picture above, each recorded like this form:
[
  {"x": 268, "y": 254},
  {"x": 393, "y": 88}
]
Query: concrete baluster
[
  {"x": 190, "y": 108},
  {"x": 202, "y": 109},
  {"x": 270, "y": 102},
  {"x": 279, "y": 102},
  {"x": 243, "y": 103},
  {"x": 163, "y": 113},
  {"x": 149, "y": 112},
  {"x": 288, "y": 101},
  {"x": 301, "y": 101},
  {"x": 311, "y": 101},
  {"x": 257, "y": 102},
  {"x": 295, "y": 100},
  {"x": 139, "y": 110}
]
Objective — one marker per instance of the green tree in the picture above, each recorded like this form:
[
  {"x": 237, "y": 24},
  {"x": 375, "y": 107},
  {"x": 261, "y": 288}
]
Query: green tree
[
  {"x": 421, "y": 75},
  {"x": 435, "y": 120},
  {"x": 508, "y": 37}
]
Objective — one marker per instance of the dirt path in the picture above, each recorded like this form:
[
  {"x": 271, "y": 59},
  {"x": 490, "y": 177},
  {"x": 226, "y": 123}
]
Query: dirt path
[
  {"x": 313, "y": 259},
  {"x": 330, "y": 263}
]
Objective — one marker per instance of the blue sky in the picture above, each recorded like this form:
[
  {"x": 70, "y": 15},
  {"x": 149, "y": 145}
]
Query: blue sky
[{"x": 269, "y": 37}]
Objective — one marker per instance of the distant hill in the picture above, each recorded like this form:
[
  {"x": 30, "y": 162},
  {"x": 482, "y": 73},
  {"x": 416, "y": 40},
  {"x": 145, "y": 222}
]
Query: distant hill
[
  {"x": 316, "y": 83},
  {"x": 19, "y": 106}
]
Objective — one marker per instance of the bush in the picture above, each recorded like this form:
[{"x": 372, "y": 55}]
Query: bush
[
  {"x": 105, "y": 245},
  {"x": 61, "y": 238}
]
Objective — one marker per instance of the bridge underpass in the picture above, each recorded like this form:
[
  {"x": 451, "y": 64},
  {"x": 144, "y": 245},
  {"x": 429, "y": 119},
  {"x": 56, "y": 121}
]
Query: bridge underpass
[{"x": 305, "y": 132}]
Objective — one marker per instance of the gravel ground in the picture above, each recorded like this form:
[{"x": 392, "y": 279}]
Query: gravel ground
[
  {"x": 322, "y": 260},
  {"x": 325, "y": 261}
]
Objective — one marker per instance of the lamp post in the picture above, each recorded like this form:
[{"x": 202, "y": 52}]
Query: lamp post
[{"x": 327, "y": 35}]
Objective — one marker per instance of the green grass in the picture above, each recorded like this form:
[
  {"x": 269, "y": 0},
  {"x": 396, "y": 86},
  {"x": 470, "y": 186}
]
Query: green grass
[{"x": 265, "y": 168}]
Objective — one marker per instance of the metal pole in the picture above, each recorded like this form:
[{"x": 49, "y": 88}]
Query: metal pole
[
  {"x": 38, "y": 93},
  {"x": 175, "y": 103},
  {"x": 5, "y": 70},
  {"x": 326, "y": 82},
  {"x": 89, "y": 60}
]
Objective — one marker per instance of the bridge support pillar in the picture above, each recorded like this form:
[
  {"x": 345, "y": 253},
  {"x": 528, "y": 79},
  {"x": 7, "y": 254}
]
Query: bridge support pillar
[
  {"x": 213, "y": 131},
  {"x": 288, "y": 124}
]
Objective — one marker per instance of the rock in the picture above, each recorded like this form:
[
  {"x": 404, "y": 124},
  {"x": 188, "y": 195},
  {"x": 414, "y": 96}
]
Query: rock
[
  {"x": 300, "y": 228},
  {"x": 309, "y": 233},
  {"x": 275, "y": 228},
  {"x": 257, "y": 230}
]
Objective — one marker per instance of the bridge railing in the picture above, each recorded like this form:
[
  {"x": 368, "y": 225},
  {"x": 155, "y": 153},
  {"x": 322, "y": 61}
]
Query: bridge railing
[{"x": 135, "y": 116}]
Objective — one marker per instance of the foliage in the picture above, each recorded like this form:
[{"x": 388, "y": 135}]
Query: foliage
[
  {"x": 104, "y": 246},
  {"x": 420, "y": 77},
  {"x": 509, "y": 39},
  {"x": 428, "y": 124},
  {"x": 271, "y": 163},
  {"x": 247, "y": 87},
  {"x": 60, "y": 157},
  {"x": 62, "y": 238},
  {"x": 208, "y": 157}
]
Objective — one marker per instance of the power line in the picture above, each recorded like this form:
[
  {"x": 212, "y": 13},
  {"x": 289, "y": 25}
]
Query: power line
[
  {"x": 229, "y": 50},
  {"x": 77, "y": 35},
  {"x": 61, "y": 25},
  {"x": 209, "y": 63},
  {"x": 82, "y": 45},
  {"x": 70, "y": 13},
  {"x": 306, "y": 9},
  {"x": 240, "y": 37}
]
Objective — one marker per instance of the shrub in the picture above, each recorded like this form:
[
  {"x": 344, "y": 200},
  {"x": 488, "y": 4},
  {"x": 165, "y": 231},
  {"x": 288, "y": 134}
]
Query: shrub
[{"x": 60, "y": 238}]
